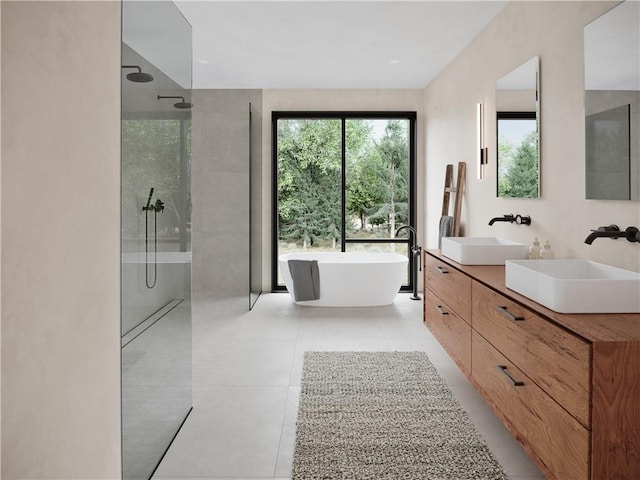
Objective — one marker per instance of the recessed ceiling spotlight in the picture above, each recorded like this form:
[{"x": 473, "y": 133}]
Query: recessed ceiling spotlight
[
  {"x": 202, "y": 61},
  {"x": 395, "y": 61}
]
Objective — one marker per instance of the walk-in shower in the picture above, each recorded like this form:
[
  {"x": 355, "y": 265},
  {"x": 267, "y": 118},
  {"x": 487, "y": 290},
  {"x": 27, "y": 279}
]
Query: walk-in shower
[{"x": 155, "y": 232}]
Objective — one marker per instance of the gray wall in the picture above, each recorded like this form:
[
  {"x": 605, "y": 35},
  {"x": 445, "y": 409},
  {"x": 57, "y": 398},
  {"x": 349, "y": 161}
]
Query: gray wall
[
  {"x": 60, "y": 240},
  {"x": 220, "y": 193},
  {"x": 160, "y": 170},
  {"x": 601, "y": 100}
]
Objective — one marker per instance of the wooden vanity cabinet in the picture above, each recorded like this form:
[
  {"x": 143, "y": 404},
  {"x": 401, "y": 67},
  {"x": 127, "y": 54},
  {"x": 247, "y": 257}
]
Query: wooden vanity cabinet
[
  {"x": 453, "y": 333},
  {"x": 550, "y": 356},
  {"x": 447, "y": 310},
  {"x": 451, "y": 285},
  {"x": 559, "y": 441},
  {"x": 567, "y": 386}
]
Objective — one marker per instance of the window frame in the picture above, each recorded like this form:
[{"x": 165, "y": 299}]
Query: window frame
[{"x": 343, "y": 116}]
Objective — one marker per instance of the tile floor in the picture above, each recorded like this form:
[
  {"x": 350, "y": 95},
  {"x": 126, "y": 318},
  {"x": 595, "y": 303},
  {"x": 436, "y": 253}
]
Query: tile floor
[{"x": 246, "y": 375}]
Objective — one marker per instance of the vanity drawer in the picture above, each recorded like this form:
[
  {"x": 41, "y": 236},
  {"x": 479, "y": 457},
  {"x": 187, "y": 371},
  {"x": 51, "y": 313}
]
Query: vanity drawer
[
  {"x": 559, "y": 441},
  {"x": 453, "y": 333},
  {"x": 451, "y": 285},
  {"x": 553, "y": 358}
]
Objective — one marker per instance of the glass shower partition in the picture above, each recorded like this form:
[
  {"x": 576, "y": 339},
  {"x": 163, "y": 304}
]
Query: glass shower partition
[
  {"x": 255, "y": 204},
  {"x": 155, "y": 232}
]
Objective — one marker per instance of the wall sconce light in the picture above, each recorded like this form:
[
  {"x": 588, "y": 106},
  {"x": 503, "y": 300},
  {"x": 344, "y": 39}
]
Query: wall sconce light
[{"x": 481, "y": 150}]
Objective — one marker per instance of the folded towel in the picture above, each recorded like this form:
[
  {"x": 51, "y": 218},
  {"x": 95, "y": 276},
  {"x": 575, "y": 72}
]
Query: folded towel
[
  {"x": 306, "y": 279},
  {"x": 446, "y": 228}
]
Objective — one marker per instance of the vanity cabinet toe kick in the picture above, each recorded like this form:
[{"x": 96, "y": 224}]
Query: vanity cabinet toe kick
[{"x": 566, "y": 386}]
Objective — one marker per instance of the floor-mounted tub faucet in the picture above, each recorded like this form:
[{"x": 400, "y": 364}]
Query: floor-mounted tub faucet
[
  {"x": 416, "y": 254},
  {"x": 413, "y": 239},
  {"x": 632, "y": 234}
]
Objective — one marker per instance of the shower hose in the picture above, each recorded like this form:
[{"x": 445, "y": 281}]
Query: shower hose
[{"x": 151, "y": 284}]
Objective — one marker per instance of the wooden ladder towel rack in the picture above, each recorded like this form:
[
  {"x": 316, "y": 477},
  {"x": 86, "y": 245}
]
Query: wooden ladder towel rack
[{"x": 458, "y": 189}]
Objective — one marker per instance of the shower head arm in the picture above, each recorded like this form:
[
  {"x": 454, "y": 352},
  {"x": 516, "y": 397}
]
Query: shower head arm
[
  {"x": 133, "y": 66},
  {"x": 182, "y": 104},
  {"x": 164, "y": 96}
]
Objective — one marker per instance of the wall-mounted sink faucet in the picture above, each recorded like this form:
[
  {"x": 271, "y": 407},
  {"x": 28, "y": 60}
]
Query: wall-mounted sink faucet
[
  {"x": 632, "y": 234},
  {"x": 519, "y": 219}
]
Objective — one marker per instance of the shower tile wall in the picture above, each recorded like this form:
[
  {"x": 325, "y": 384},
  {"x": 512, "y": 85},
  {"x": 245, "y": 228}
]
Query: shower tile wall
[
  {"x": 156, "y": 251},
  {"x": 220, "y": 193}
]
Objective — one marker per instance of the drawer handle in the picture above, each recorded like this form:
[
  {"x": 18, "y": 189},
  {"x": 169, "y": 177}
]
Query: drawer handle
[
  {"x": 442, "y": 270},
  {"x": 509, "y": 315},
  {"x": 440, "y": 311},
  {"x": 512, "y": 381}
]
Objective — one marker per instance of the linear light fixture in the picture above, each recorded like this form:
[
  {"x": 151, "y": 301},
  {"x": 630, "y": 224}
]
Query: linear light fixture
[{"x": 481, "y": 150}]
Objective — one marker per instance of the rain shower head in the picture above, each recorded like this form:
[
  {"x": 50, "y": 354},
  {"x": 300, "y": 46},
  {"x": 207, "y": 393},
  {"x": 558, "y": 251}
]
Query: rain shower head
[
  {"x": 182, "y": 104},
  {"x": 139, "y": 76}
]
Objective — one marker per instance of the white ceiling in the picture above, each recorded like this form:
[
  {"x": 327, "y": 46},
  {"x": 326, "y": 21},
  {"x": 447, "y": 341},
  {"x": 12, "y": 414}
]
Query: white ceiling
[{"x": 335, "y": 44}]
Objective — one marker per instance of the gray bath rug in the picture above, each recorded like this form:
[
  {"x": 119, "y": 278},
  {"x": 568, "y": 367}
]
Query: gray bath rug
[{"x": 384, "y": 415}]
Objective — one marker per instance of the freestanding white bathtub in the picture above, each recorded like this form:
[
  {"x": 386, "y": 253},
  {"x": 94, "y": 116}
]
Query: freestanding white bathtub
[{"x": 351, "y": 279}]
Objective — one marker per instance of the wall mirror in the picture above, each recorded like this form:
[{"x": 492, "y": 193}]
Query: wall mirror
[
  {"x": 612, "y": 104},
  {"x": 518, "y": 132}
]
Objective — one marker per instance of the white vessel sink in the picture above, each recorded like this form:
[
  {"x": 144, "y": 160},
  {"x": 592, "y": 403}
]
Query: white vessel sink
[
  {"x": 481, "y": 250},
  {"x": 575, "y": 286}
]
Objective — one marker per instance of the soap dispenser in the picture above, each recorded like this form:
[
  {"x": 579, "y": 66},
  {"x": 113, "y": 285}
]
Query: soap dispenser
[
  {"x": 534, "y": 250},
  {"x": 546, "y": 253}
]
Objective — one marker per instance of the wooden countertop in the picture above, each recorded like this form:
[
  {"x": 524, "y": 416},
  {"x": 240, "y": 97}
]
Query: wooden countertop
[{"x": 595, "y": 327}]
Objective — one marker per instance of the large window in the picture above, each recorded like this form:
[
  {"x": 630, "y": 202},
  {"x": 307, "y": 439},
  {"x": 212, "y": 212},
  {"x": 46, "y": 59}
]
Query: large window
[{"x": 342, "y": 182}]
